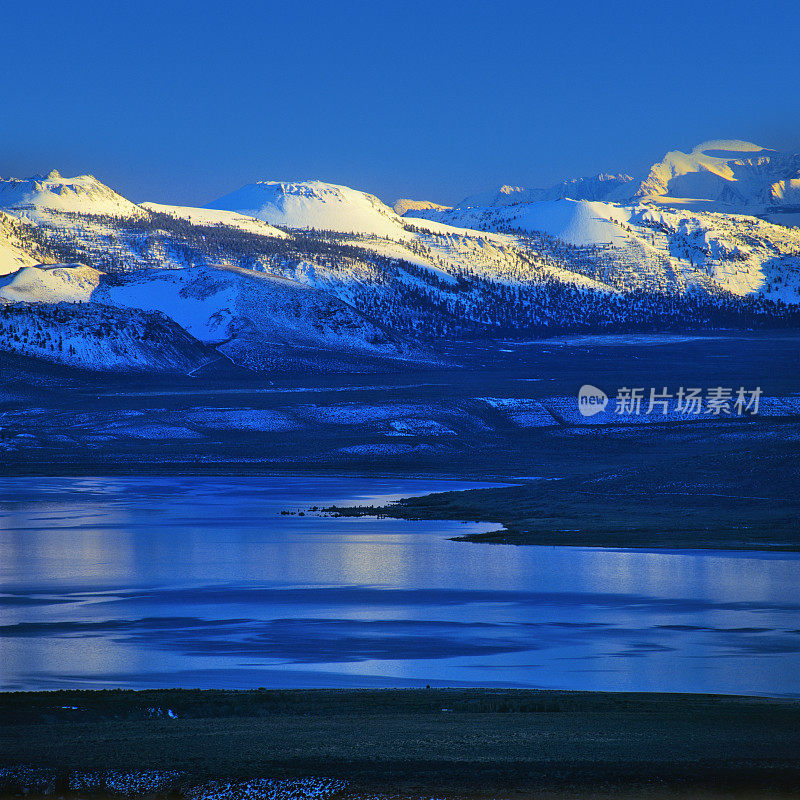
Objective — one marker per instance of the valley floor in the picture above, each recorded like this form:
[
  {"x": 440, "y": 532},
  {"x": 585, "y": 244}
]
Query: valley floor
[
  {"x": 507, "y": 412},
  {"x": 469, "y": 743}
]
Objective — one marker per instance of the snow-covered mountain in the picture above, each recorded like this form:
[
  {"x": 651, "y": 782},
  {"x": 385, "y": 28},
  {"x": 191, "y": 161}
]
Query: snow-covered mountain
[
  {"x": 81, "y": 195},
  {"x": 654, "y": 247},
  {"x": 313, "y": 204},
  {"x": 595, "y": 187},
  {"x": 317, "y": 276},
  {"x": 576, "y": 222},
  {"x": 726, "y": 174},
  {"x": 251, "y": 317}
]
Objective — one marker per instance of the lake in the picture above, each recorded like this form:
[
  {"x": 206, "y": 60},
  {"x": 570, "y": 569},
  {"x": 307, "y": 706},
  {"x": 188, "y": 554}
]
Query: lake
[{"x": 201, "y": 582}]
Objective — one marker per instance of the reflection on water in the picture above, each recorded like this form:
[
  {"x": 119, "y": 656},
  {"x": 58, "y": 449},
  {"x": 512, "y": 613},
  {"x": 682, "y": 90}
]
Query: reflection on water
[{"x": 202, "y": 582}]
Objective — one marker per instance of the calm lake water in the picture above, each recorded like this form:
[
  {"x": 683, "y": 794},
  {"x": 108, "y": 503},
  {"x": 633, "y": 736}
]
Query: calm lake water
[{"x": 201, "y": 582}]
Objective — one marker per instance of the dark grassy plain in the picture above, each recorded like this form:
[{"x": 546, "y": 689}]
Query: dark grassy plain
[
  {"x": 488, "y": 743},
  {"x": 711, "y": 496}
]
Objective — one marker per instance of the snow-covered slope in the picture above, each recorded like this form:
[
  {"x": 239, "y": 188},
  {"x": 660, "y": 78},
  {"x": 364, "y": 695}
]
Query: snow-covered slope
[
  {"x": 81, "y": 195},
  {"x": 100, "y": 338},
  {"x": 55, "y": 283},
  {"x": 207, "y": 216},
  {"x": 404, "y": 205},
  {"x": 313, "y": 204},
  {"x": 577, "y": 222},
  {"x": 741, "y": 254},
  {"x": 653, "y": 247},
  {"x": 258, "y": 320},
  {"x": 15, "y": 251},
  {"x": 249, "y": 315}
]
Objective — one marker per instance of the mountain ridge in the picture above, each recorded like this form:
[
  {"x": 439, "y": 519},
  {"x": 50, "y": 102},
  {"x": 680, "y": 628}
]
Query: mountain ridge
[
  {"x": 308, "y": 275},
  {"x": 728, "y": 175}
]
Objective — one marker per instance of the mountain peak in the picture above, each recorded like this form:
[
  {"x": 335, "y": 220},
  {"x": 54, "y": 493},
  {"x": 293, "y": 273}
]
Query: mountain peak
[
  {"x": 313, "y": 204},
  {"x": 83, "y": 194},
  {"x": 726, "y": 171}
]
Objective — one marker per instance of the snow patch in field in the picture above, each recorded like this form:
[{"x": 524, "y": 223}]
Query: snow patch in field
[
  {"x": 154, "y": 432},
  {"x": 124, "y": 783},
  {"x": 613, "y": 340},
  {"x": 241, "y": 419},
  {"x": 524, "y": 412},
  {"x": 388, "y": 449},
  {"x": 27, "y": 779},
  {"x": 358, "y": 414},
  {"x": 787, "y": 406},
  {"x": 268, "y": 789},
  {"x": 418, "y": 427}
]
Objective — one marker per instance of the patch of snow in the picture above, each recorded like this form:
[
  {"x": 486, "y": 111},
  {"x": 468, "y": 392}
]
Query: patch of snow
[
  {"x": 418, "y": 427},
  {"x": 124, "y": 783},
  {"x": 387, "y": 449},
  {"x": 154, "y": 432},
  {"x": 524, "y": 412},
  {"x": 241, "y": 419},
  {"x": 403, "y": 205},
  {"x": 358, "y": 413},
  {"x": 268, "y": 789}
]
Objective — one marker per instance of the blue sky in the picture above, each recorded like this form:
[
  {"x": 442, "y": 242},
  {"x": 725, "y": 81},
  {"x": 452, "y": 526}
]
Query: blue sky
[{"x": 183, "y": 102}]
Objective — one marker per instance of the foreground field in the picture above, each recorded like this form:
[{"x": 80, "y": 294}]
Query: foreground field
[{"x": 420, "y": 743}]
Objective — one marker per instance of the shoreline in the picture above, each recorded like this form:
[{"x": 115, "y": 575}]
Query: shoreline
[
  {"x": 526, "y": 510},
  {"x": 576, "y": 512}
]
